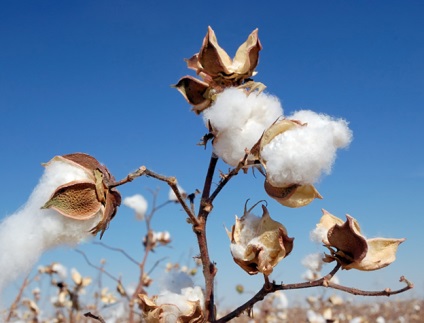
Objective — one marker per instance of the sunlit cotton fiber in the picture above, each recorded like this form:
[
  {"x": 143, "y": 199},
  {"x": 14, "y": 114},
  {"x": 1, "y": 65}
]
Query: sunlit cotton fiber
[
  {"x": 238, "y": 121},
  {"x": 302, "y": 154}
]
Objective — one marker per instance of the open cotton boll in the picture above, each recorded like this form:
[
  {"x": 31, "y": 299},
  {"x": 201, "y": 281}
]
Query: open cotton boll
[
  {"x": 172, "y": 196},
  {"x": 138, "y": 203},
  {"x": 175, "y": 281},
  {"x": 182, "y": 299},
  {"x": 238, "y": 121},
  {"x": 302, "y": 154},
  {"x": 29, "y": 232}
]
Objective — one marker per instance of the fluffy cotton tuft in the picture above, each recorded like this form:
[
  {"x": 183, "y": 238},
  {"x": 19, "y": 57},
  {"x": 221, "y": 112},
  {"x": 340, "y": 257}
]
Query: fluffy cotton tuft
[
  {"x": 318, "y": 235},
  {"x": 138, "y": 203},
  {"x": 175, "y": 281},
  {"x": 172, "y": 196},
  {"x": 302, "y": 154},
  {"x": 280, "y": 301},
  {"x": 313, "y": 262},
  {"x": 29, "y": 232},
  {"x": 181, "y": 300},
  {"x": 239, "y": 120}
]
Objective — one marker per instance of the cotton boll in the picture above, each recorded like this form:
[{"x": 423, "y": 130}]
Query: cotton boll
[
  {"x": 302, "y": 154},
  {"x": 138, "y": 203},
  {"x": 194, "y": 294},
  {"x": 172, "y": 196},
  {"x": 318, "y": 235},
  {"x": 338, "y": 128},
  {"x": 280, "y": 301},
  {"x": 29, "y": 232},
  {"x": 175, "y": 281},
  {"x": 313, "y": 262},
  {"x": 238, "y": 121},
  {"x": 175, "y": 299}
]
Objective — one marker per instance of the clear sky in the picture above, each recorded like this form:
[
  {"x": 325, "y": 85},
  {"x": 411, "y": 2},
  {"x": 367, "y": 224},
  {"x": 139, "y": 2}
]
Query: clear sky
[{"x": 95, "y": 76}]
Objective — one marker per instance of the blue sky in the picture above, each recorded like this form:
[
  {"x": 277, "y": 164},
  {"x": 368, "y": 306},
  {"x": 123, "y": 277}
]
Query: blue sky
[{"x": 95, "y": 76}]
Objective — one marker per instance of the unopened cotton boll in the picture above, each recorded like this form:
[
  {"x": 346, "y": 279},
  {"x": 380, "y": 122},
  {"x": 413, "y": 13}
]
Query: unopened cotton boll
[
  {"x": 238, "y": 121},
  {"x": 138, "y": 203},
  {"x": 302, "y": 154},
  {"x": 29, "y": 232}
]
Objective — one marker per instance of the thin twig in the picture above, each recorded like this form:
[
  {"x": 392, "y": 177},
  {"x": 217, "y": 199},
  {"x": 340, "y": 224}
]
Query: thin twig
[
  {"x": 101, "y": 269},
  {"x": 323, "y": 282},
  {"x": 227, "y": 177},
  {"x": 156, "y": 264},
  {"x": 172, "y": 182},
  {"x": 17, "y": 299},
  {"x": 119, "y": 250},
  {"x": 130, "y": 177}
]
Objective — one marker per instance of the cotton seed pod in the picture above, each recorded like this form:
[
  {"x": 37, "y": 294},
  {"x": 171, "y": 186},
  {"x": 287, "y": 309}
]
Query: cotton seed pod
[
  {"x": 196, "y": 92},
  {"x": 214, "y": 61},
  {"x": 293, "y": 195},
  {"x": 83, "y": 199},
  {"x": 185, "y": 312},
  {"x": 351, "y": 249},
  {"x": 218, "y": 71},
  {"x": 259, "y": 244},
  {"x": 288, "y": 194},
  {"x": 278, "y": 127}
]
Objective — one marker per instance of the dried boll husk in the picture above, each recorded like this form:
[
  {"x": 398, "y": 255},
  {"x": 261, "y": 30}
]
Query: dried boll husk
[
  {"x": 292, "y": 195},
  {"x": 288, "y": 194},
  {"x": 259, "y": 244},
  {"x": 83, "y": 199},
  {"x": 351, "y": 249}
]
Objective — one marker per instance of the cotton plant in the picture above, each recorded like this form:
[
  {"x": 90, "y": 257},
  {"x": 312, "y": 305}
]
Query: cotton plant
[{"x": 248, "y": 129}]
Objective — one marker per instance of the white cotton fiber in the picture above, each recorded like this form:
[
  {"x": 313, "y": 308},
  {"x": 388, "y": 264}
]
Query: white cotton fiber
[
  {"x": 302, "y": 154},
  {"x": 29, "y": 232},
  {"x": 138, "y": 203},
  {"x": 172, "y": 196},
  {"x": 239, "y": 120},
  {"x": 175, "y": 281}
]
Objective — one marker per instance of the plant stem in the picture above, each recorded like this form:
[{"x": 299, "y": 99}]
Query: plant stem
[
  {"x": 209, "y": 269},
  {"x": 324, "y": 282}
]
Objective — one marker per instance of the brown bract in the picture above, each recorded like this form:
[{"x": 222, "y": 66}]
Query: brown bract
[
  {"x": 218, "y": 70},
  {"x": 351, "y": 249},
  {"x": 288, "y": 194},
  {"x": 258, "y": 245},
  {"x": 83, "y": 199},
  {"x": 169, "y": 312}
]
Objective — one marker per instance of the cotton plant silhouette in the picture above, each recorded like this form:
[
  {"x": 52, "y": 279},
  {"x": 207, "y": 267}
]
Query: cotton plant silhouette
[{"x": 247, "y": 129}]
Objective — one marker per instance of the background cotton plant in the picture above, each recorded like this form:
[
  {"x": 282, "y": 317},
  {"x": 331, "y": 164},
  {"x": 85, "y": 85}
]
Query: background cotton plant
[{"x": 138, "y": 203}]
